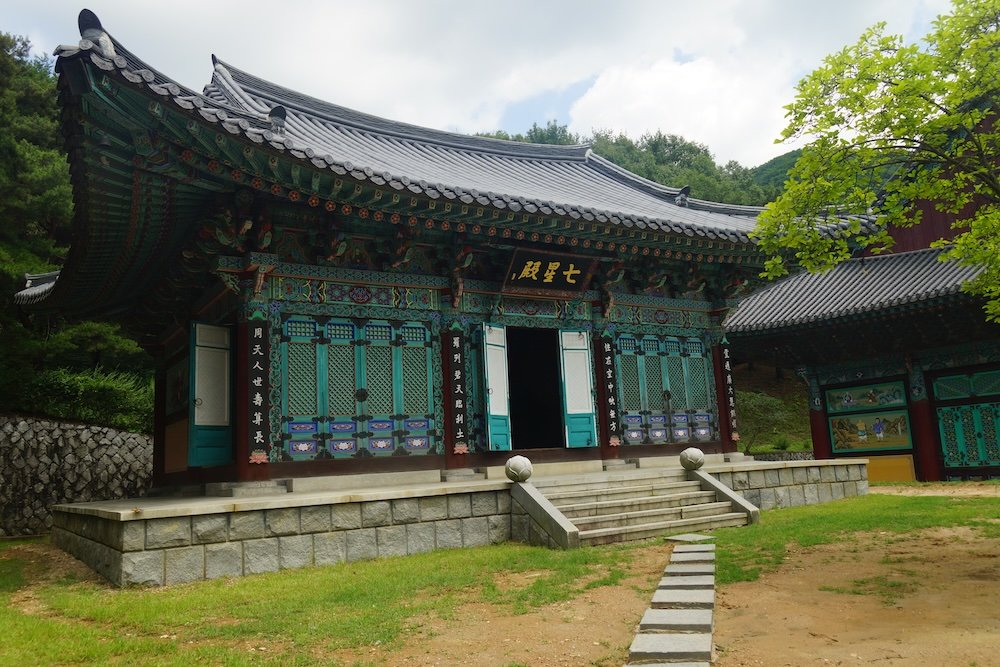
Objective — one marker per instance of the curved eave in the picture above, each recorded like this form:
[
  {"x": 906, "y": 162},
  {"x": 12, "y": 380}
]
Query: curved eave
[{"x": 240, "y": 117}]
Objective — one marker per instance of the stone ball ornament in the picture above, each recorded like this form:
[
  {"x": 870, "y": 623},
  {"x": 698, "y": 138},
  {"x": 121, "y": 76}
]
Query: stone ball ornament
[
  {"x": 692, "y": 458},
  {"x": 518, "y": 469}
]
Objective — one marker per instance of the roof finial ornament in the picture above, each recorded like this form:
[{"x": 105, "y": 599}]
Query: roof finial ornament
[
  {"x": 92, "y": 30},
  {"x": 682, "y": 197},
  {"x": 277, "y": 116}
]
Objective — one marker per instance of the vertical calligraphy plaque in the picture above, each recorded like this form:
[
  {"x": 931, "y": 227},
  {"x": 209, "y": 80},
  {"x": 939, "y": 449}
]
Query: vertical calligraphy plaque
[
  {"x": 608, "y": 381},
  {"x": 727, "y": 376},
  {"x": 257, "y": 390},
  {"x": 457, "y": 391}
]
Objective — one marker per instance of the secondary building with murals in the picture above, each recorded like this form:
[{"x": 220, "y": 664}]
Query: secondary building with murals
[
  {"x": 327, "y": 292},
  {"x": 901, "y": 364}
]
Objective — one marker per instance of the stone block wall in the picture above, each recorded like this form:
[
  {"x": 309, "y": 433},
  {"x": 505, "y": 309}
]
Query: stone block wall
[
  {"x": 45, "y": 462},
  {"x": 180, "y": 549},
  {"x": 795, "y": 483}
]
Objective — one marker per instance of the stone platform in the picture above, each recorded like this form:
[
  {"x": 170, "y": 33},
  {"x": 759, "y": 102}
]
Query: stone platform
[{"x": 167, "y": 540}]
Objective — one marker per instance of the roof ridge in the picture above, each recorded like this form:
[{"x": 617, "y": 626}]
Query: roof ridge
[{"x": 367, "y": 122}]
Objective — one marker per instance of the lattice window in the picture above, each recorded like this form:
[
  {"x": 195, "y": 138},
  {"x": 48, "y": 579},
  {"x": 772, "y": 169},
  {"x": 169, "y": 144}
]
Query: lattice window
[
  {"x": 378, "y": 332},
  {"x": 672, "y": 346},
  {"x": 986, "y": 384},
  {"x": 697, "y": 384},
  {"x": 694, "y": 346},
  {"x": 302, "y": 379},
  {"x": 340, "y": 331},
  {"x": 415, "y": 401},
  {"x": 952, "y": 386},
  {"x": 629, "y": 383},
  {"x": 989, "y": 414},
  {"x": 654, "y": 384},
  {"x": 379, "y": 379},
  {"x": 300, "y": 328},
  {"x": 628, "y": 344},
  {"x": 341, "y": 380},
  {"x": 650, "y": 345},
  {"x": 412, "y": 334},
  {"x": 675, "y": 378}
]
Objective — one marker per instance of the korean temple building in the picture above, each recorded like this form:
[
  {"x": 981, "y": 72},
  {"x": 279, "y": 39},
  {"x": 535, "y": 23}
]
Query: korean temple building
[
  {"x": 901, "y": 364},
  {"x": 326, "y": 292}
]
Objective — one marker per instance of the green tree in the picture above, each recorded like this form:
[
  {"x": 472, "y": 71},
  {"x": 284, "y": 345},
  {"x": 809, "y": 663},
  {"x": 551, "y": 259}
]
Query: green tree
[
  {"x": 762, "y": 417},
  {"x": 895, "y": 128},
  {"x": 41, "y": 356}
]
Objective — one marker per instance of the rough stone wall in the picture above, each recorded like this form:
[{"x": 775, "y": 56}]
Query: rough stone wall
[{"x": 44, "y": 462}]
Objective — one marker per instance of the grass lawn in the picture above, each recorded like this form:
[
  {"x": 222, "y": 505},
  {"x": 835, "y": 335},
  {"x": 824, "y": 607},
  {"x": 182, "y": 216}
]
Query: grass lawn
[
  {"x": 298, "y": 617},
  {"x": 744, "y": 553}
]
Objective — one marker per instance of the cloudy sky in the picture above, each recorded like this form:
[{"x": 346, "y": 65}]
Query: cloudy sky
[{"x": 714, "y": 71}]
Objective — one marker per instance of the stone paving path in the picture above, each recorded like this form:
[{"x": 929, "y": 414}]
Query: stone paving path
[{"x": 676, "y": 631}]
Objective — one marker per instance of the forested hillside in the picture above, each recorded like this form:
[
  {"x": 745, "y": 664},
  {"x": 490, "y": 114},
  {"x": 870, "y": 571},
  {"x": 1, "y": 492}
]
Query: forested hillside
[{"x": 674, "y": 161}]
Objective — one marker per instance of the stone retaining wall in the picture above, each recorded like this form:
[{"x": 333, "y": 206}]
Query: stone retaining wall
[
  {"x": 179, "y": 549},
  {"x": 45, "y": 462},
  {"x": 770, "y": 485}
]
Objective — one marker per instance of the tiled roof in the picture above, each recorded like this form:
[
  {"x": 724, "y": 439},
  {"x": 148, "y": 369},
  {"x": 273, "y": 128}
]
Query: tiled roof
[
  {"x": 36, "y": 287},
  {"x": 854, "y": 287},
  {"x": 568, "y": 181}
]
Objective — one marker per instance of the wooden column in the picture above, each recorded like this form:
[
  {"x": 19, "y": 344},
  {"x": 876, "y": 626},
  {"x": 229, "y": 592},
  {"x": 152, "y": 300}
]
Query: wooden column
[
  {"x": 725, "y": 395},
  {"x": 926, "y": 453},
  {"x": 822, "y": 448},
  {"x": 159, "y": 420}
]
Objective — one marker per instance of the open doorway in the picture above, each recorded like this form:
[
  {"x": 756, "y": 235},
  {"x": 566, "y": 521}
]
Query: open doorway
[{"x": 536, "y": 407}]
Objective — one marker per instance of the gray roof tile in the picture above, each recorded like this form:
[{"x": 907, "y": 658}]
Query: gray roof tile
[{"x": 854, "y": 287}]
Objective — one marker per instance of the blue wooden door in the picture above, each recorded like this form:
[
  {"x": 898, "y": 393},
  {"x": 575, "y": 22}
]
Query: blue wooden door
[
  {"x": 497, "y": 387},
  {"x": 210, "y": 435},
  {"x": 578, "y": 389}
]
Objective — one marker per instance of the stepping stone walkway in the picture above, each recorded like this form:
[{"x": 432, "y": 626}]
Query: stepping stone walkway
[{"x": 676, "y": 631}]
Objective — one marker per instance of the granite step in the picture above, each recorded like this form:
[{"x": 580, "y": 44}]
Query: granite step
[
  {"x": 693, "y": 548},
  {"x": 692, "y": 557},
  {"x": 690, "y": 569},
  {"x": 691, "y": 581},
  {"x": 636, "y": 504},
  {"x": 671, "y": 647},
  {"x": 564, "y": 496},
  {"x": 651, "y": 516},
  {"x": 676, "y": 598},
  {"x": 679, "y": 620},
  {"x": 608, "y": 479},
  {"x": 646, "y": 531}
]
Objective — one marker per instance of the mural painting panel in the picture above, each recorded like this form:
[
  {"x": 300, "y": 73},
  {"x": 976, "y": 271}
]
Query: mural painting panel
[{"x": 887, "y": 429}]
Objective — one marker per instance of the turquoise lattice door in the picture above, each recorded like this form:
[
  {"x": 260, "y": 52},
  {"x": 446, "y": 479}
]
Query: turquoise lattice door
[
  {"x": 380, "y": 383},
  {"x": 969, "y": 435},
  {"x": 969, "y": 431},
  {"x": 578, "y": 389},
  {"x": 210, "y": 440},
  {"x": 497, "y": 387}
]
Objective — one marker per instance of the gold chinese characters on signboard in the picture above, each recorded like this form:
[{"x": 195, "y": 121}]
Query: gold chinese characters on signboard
[{"x": 533, "y": 272}]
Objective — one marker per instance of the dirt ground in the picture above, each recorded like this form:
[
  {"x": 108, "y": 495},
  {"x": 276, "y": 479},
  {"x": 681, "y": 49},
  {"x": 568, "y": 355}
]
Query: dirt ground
[{"x": 927, "y": 599}]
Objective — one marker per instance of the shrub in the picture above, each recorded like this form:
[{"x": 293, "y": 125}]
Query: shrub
[{"x": 108, "y": 398}]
